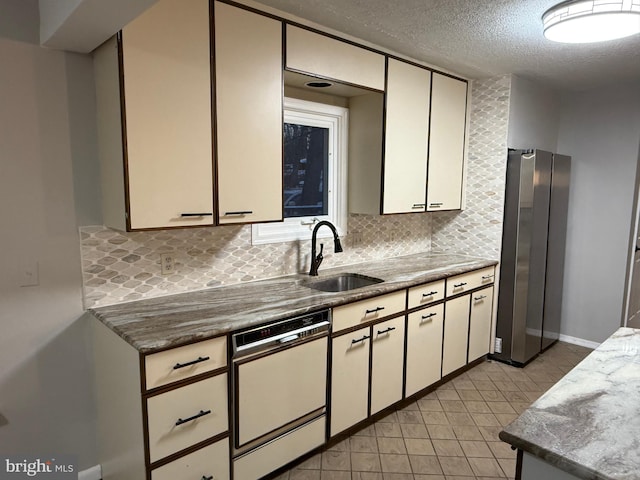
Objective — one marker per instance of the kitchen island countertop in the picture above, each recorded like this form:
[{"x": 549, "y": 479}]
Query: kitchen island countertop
[
  {"x": 588, "y": 424},
  {"x": 163, "y": 322}
]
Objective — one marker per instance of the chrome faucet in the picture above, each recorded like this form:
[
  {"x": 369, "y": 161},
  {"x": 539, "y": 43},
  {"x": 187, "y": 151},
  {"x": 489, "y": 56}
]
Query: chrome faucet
[{"x": 317, "y": 260}]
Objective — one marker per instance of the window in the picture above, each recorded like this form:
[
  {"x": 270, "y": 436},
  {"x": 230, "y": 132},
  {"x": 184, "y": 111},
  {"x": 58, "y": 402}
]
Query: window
[{"x": 315, "y": 172}]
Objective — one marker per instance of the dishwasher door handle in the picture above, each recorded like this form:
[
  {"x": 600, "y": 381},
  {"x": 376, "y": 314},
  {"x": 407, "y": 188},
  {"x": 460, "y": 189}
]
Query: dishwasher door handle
[{"x": 288, "y": 339}]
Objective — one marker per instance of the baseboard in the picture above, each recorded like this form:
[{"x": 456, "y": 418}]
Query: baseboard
[
  {"x": 93, "y": 473},
  {"x": 578, "y": 341}
]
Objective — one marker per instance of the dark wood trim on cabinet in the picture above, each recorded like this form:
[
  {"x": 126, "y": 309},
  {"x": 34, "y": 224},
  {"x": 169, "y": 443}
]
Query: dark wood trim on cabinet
[
  {"x": 426, "y": 190},
  {"x": 519, "y": 460},
  {"x": 214, "y": 114},
  {"x": 123, "y": 130},
  {"x": 464, "y": 142},
  {"x": 184, "y": 382},
  {"x": 186, "y": 451},
  {"x": 383, "y": 152}
]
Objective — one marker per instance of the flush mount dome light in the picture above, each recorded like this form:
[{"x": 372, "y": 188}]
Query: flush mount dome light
[
  {"x": 323, "y": 84},
  {"x": 588, "y": 21}
]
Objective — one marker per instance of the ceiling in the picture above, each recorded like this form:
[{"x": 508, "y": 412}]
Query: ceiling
[{"x": 476, "y": 38}]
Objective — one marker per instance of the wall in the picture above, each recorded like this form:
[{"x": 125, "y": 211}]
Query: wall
[
  {"x": 600, "y": 129},
  {"x": 533, "y": 115},
  {"x": 46, "y": 402}
]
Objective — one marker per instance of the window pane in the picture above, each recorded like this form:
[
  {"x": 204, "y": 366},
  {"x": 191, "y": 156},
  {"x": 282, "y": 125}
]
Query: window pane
[{"x": 306, "y": 161}]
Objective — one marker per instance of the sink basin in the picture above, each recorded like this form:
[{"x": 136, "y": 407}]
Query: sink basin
[{"x": 342, "y": 282}]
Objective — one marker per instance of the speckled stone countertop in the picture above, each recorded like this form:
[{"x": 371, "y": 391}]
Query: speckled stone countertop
[
  {"x": 163, "y": 322},
  {"x": 588, "y": 424}
]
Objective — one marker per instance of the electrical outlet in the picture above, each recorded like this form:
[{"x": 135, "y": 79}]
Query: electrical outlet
[
  {"x": 167, "y": 263},
  {"x": 498, "y": 345}
]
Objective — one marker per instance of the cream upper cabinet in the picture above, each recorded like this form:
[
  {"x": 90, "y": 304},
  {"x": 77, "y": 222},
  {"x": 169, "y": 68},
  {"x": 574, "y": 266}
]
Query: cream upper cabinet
[
  {"x": 446, "y": 143},
  {"x": 319, "y": 55},
  {"x": 164, "y": 87},
  {"x": 248, "y": 98},
  {"x": 406, "y": 137}
]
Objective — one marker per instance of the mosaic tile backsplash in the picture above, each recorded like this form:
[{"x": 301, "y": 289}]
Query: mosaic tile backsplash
[
  {"x": 120, "y": 266},
  {"x": 124, "y": 266}
]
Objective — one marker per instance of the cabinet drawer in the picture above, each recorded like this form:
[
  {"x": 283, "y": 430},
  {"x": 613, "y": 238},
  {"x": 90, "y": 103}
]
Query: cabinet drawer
[
  {"x": 208, "y": 462},
  {"x": 367, "y": 310},
  {"x": 183, "y": 362},
  {"x": 425, "y": 294},
  {"x": 469, "y": 281},
  {"x": 317, "y": 54},
  {"x": 172, "y": 426}
]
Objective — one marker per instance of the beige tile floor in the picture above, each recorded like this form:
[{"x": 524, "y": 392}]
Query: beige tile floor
[{"x": 450, "y": 433}]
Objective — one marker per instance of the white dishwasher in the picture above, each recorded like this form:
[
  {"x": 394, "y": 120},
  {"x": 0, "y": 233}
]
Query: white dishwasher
[{"x": 279, "y": 382}]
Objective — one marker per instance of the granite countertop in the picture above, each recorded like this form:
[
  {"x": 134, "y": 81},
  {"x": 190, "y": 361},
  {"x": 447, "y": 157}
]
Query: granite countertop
[
  {"x": 588, "y": 424},
  {"x": 163, "y": 322}
]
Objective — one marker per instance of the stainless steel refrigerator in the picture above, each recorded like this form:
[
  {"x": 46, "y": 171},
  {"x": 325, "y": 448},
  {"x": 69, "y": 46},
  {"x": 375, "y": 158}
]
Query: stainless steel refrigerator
[{"x": 533, "y": 249}]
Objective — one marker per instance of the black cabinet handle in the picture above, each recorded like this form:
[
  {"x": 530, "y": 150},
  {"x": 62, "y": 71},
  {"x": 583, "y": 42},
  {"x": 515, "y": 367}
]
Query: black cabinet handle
[
  {"x": 196, "y": 214},
  {"x": 425, "y": 317},
  {"x": 487, "y": 277},
  {"x": 377, "y": 309},
  {"x": 382, "y": 332},
  {"x": 435, "y": 204},
  {"x": 458, "y": 285},
  {"x": 202, "y": 413},
  {"x": 481, "y": 297},
  {"x": 210, "y": 477},
  {"x": 240, "y": 212},
  {"x": 358, "y": 340},
  {"x": 418, "y": 205},
  {"x": 430, "y": 294},
  {"x": 192, "y": 362}
]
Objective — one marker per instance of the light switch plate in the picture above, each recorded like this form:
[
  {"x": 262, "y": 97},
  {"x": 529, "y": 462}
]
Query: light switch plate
[{"x": 29, "y": 275}]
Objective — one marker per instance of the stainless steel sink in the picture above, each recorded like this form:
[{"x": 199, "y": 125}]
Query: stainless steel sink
[{"x": 342, "y": 282}]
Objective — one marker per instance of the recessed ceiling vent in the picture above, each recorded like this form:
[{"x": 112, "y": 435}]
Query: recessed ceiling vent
[{"x": 319, "y": 84}]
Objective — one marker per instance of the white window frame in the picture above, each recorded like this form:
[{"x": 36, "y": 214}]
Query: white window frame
[{"x": 336, "y": 119}]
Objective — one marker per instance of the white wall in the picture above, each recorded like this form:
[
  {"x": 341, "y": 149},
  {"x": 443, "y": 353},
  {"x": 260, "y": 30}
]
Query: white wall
[
  {"x": 533, "y": 115},
  {"x": 600, "y": 129},
  {"x": 46, "y": 399}
]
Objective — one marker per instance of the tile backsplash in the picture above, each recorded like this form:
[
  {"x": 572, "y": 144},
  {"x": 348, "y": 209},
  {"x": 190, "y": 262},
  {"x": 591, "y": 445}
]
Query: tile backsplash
[
  {"x": 123, "y": 266},
  {"x": 120, "y": 266}
]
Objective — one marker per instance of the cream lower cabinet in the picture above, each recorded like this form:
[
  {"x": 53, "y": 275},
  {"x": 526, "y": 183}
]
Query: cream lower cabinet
[
  {"x": 387, "y": 363},
  {"x": 178, "y": 429},
  {"x": 456, "y": 331},
  {"x": 349, "y": 379},
  {"x": 424, "y": 348},
  {"x": 446, "y": 143},
  {"x": 154, "y": 119},
  {"x": 480, "y": 323},
  {"x": 248, "y": 85}
]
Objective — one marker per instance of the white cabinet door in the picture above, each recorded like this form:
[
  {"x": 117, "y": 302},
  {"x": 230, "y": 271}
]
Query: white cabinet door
[
  {"x": 248, "y": 85},
  {"x": 316, "y": 54},
  {"x": 424, "y": 348},
  {"x": 166, "y": 73},
  {"x": 480, "y": 323},
  {"x": 349, "y": 379},
  {"x": 406, "y": 136},
  {"x": 446, "y": 143},
  {"x": 456, "y": 331},
  {"x": 387, "y": 346}
]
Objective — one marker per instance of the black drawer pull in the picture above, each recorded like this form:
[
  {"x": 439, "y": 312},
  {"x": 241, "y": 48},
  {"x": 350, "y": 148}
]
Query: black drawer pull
[
  {"x": 481, "y": 297},
  {"x": 364, "y": 337},
  {"x": 382, "y": 332},
  {"x": 210, "y": 477},
  {"x": 435, "y": 204},
  {"x": 196, "y": 214},
  {"x": 430, "y": 294},
  {"x": 487, "y": 277},
  {"x": 192, "y": 362},
  {"x": 425, "y": 317},
  {"x": 240, "y": 212},
  {"x": 377, "y": 309},
  {"x": 202, "y": 413},
  {"x": 418, "y": 205},
  {"x": 458, "y": 285}
]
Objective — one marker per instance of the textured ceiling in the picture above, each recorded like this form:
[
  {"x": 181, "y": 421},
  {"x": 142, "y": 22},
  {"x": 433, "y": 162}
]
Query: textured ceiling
[{"x": 476, "y": 38}]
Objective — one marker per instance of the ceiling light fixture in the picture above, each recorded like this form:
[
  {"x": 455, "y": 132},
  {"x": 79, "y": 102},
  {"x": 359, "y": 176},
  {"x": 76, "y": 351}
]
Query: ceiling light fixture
[{"x": 588, "y": 21}]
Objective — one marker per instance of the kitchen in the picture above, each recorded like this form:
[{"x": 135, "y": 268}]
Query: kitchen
[{"x": 52, "y": 191}]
